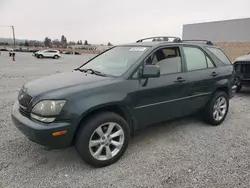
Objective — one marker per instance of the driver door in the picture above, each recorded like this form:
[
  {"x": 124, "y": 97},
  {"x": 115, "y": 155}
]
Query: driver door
[{"x": 160, "y": 99}]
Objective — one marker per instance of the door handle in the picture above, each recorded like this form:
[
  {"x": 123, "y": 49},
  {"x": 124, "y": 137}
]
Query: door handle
[
  {"x": 180, "y": 80},
  {"x": 214, "y": 74}
]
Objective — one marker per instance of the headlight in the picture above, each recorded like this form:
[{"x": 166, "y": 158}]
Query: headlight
[{"x": 47, "y": 110}]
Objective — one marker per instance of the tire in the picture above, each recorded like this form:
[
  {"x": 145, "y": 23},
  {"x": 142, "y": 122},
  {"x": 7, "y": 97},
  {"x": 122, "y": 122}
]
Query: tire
[
  {"x": 40, "y": 56},
  {"x": 88, "y": 132},
  {"x": 239, "y": 87},
  {"x": 208, "y": 111},
  {"x": 56, "y": 56}
]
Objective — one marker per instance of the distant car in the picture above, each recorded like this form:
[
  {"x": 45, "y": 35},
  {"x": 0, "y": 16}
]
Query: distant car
[
  {"x": 67, "y": 52},
  {"x": 3, "y": 49},
  {"x": 242, "y": 69},
  {"x": 55, "y": 54},
  {"x": 77, "y": 53}
]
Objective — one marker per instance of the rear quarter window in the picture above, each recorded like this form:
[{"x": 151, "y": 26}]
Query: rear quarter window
[{"x": 219, "y": 54}]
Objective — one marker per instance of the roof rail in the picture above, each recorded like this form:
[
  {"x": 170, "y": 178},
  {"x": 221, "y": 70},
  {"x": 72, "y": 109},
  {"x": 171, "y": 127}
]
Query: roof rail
[
  {"x": 165, "y": 38},
  {"x": 208, "y": 42}
]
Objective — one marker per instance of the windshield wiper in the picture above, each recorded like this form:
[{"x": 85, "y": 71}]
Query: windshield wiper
[{"x": 92, "y": 72}]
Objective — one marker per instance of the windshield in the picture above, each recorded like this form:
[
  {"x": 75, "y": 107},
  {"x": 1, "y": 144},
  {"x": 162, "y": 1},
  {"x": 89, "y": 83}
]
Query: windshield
[{"x": 115, "y": 61}]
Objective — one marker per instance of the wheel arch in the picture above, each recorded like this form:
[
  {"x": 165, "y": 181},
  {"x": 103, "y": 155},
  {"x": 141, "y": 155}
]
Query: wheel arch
[
  {"x": 223, "y": 88},
  {"x": 119, "y": 109}
]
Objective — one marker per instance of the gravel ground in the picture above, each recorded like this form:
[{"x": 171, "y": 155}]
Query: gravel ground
[{"x": 181, "y": 153}]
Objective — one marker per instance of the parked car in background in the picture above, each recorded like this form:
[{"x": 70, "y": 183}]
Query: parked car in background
[
  {"x": 47, "y": 54},
  {"x": 242, "y": 69},
  {"x": 67, "y": 52},
  {"x": 3, "y": 49},
  {"x": 77, "y": 53},
  {"x": 99, "y": 105}
]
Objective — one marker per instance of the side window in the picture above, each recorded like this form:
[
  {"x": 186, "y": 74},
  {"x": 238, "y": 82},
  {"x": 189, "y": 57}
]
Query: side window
[
  {"x": 195, "y": 58},
  {"x": 168, "y": 59},
  {"x": 220, "y": 54}
]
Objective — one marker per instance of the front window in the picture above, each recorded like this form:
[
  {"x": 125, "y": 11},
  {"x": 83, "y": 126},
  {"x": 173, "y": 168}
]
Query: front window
[{"x": 116, "y": 61}]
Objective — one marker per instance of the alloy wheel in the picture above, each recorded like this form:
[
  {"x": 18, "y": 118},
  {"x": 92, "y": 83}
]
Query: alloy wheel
[
  {"x": 219, "y": 108},
  {"x": 106, "y": 141}
]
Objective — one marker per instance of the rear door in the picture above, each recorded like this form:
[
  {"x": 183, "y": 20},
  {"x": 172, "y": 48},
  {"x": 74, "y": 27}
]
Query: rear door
[
  {"x": 201, "y": 77},
  {"x": 46, "y": 53}
]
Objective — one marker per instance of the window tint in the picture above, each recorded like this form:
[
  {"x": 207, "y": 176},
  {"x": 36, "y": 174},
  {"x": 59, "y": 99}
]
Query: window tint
[
  {"x": 220, "y": 54},
  {"x": 209, "y": 63},
  {"x": 195, "y": 58}
]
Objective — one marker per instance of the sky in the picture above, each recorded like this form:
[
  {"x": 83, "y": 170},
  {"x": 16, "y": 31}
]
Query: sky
[{"x": 114, "y": 21}]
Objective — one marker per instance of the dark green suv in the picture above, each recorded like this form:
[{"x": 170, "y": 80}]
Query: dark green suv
[{"x": 97, "y": 106}]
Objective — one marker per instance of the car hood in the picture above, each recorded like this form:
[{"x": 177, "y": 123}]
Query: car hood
[
  {"x": 243, "y": 58},
  {"x": 61, "y": 81}
]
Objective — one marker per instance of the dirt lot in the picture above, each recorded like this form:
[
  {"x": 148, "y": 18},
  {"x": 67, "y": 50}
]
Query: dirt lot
[{"x": 180, "y": 153}]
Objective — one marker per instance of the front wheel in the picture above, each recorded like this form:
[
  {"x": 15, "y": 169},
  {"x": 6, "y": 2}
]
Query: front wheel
[
  {"x": 103, "y": 139},
  {"x": 217, "y": 108},
  {"x": 40, "y": 56}
]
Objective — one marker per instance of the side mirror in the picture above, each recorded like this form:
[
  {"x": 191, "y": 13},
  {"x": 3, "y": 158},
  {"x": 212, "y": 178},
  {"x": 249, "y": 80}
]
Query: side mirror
[{"x": 151, "y": 71}]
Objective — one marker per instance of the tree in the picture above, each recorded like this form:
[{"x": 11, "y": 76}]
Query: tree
[
  {"x": 80, "y": 42},
  {"x": 56, "y": 42},
  {"x": 109, "y": 44},
  {"x": 26, "y": 43},
  {"x": 154, "y": 40},
  {"x": 158, "y": 39},
  {"x": 63, "y": 41},
  {"x": 86, "y": 42},
  {"x": 73, "y": 43},
  {"x": 47, "y": 42},
  {"x": 21, "y": 44}
]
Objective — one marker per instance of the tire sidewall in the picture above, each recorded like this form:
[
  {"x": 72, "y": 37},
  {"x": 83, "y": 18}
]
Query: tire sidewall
[
  {"x": 85, "y": 133},
  {"x": 211, "y": 105}
]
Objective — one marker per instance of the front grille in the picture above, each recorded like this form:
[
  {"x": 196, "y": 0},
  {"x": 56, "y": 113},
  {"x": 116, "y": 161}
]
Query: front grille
[
  {"x": 243, "y": 68},
  {"x": 24, "y": 99}
]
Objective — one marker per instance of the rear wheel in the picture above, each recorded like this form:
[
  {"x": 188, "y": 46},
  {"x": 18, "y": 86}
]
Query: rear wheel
[
  {"x": 56, "y": 56},
  {"x": 103, "y": 139},
  {"x": 216, "y": 109}
]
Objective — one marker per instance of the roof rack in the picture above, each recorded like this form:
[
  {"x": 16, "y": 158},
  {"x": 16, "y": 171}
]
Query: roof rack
[
  {"x": 164, "y": 38},
  {"x": 208, "y": 42}
]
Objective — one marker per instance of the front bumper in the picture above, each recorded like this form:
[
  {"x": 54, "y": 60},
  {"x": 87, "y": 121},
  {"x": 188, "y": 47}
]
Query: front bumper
[{"x": 41, "y": 133}]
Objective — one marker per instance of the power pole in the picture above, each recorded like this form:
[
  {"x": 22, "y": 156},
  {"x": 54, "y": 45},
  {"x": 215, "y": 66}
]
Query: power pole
[{"x": 13, "y": 31}]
